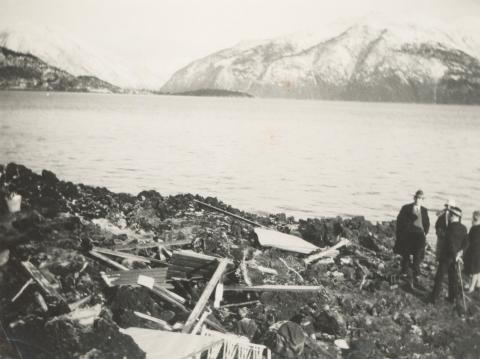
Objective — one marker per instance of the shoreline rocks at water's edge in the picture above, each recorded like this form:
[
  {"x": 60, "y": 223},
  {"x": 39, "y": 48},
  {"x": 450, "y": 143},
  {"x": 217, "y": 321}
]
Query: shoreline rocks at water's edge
[{"x": 378, "y": 320}]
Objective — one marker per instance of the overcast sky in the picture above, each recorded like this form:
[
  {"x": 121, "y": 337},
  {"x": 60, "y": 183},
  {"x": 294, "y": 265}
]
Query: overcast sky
[{"x": 171, "y": 33}]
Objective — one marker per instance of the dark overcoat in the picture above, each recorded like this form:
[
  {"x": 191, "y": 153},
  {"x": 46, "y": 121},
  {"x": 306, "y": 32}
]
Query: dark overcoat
[
  {"x": 472, "y": 253},
  {"x": 405, "y": 228}
]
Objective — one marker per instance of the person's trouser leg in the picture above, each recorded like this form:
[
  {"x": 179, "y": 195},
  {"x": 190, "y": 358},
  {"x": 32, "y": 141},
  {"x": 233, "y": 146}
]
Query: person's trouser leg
[
  {"x": 452, "y": 281},
  {"x": 437, "y": 287},
  {"x": 418, "y": 255},
  {"x": 417, "y": 259},
  {"x": 405, "y": 264}
]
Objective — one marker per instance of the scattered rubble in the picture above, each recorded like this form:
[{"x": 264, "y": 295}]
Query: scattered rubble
[{"x": 79, "y": 265}]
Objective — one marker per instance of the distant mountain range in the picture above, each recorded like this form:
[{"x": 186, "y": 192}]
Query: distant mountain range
[
  {"x": 26, "y": 72},
  {"x": 367, "y": 61},
  {"x": 53, "y": 46}
]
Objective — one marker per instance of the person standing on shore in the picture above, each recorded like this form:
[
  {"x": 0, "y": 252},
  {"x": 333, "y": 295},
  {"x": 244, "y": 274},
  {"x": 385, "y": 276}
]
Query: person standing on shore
[
  {"x": 472, "y": 253},
  {"x": 441, "y": 227},
  {"x": 456, "y": 240},
  {"x": 412, "y": 227}
]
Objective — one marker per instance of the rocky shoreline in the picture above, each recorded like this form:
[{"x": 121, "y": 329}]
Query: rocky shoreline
[{"x": 361, "y": 301}]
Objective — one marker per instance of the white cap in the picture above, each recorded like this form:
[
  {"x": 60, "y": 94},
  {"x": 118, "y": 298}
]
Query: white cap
[{"x": 451, "y": 203}]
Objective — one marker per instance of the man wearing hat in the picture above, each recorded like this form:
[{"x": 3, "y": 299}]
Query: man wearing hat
[
  {"x": 412, "y": 227},
  {"x": 441, "y": 226},
  {"x": 456, "y": 240}
]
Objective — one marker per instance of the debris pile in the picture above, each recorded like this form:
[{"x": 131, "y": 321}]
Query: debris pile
[{"x": 83, "y": 268}]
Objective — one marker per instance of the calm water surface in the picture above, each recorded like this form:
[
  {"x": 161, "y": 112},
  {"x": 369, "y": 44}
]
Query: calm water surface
[{"x": 305, "y": 158}]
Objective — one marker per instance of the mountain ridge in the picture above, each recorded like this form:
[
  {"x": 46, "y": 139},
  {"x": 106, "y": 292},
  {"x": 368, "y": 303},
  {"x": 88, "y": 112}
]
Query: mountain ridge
[
  {"x": 399, "y": 63},
  {"x": 19, "y": 71}
]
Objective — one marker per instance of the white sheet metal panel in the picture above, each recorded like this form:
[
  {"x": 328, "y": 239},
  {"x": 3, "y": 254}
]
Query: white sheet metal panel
[
  {"x": 287, "y": 242},
  {"x": 158, "y": 344}
]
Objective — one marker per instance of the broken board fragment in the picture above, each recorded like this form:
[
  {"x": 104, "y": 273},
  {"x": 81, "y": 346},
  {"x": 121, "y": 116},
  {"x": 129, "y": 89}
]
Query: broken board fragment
[
  {"x": 132, "y": 277},
  {"x": 273, "y": 288},
  {"x": 132, "y": 257},
  {"x": 107, "y": 260},
  {"x": 202, "y": 301},
  {"x": 43, "y": 282},
  {"x": 329, "y": 252},
  {"x": 286, "y": 242},
  {"x": 163, "y": 324},
  {"x": 185, "y": 264},
  {"x": 153, "y": 245}
]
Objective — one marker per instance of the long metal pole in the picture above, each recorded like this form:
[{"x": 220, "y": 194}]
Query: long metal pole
[{"x": 228, "y": 213}]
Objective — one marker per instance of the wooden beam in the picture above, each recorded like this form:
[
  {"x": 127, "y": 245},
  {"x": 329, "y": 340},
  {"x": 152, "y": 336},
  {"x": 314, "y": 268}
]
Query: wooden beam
[
  {"x": 25, "y": 286},
  {"x": 200, "y": 322},
  {"x": 79, "y": 303},
  {"x": 202, "y": 301},
  {"x": 130, "y": 256},
  {"x": 153, "y": 245},
  {"x": 163, "y": 324},
  {"x": 165, "y": 295},
  {"x": 273, "y": 288},
  {"x": 107, "y": 260},
  {"x": 193, "y": 255},
  {"x": 43, "y": 282},
  {"x": 330, "y": 252},
  {"x": 250, "y": 302},
  {"x": 131, "y": 277}
]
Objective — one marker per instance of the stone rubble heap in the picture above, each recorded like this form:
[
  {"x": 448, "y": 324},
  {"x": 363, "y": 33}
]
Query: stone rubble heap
[{"x": 362, "y": 310}]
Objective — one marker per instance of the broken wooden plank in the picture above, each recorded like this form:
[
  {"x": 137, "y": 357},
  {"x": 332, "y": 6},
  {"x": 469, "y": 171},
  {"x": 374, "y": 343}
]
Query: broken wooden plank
[
  {"x": 291, "y": 269},
  {"x": 43, "y": 282},
  {"x": 132, "y": 257},
  {"x": 133, "y": 247},
  {"x": 107, "y": 260},
  {"x": 195, "y": 255},
  {"x": 273, "y": 288},
  {"x": 191, "y": 269},
  {"x": 175, "y": 296},
  {"x": 79, "y": 303},
  {"x": 167, "y": 296},
  {"x": 25, "y": 286},
  {"x": 330, "y": 252},
  {"x": 200, "y": 321},
  {"x": 185, "y": 263},
  {"x": 264, "y": 270},
  {"x": 130, "y": 277},
  {"x": 270, "y": 238},
  {"x": 250, "y": 302},
  {"x": 87, "y": 315},
  {"x": 163, "y": 324},
  {"x": 207, "y": 292},
  {"x": 228, "y": 213}
]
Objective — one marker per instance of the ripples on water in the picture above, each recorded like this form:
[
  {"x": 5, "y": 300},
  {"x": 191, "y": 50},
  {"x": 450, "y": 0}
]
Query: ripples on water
[{"x": 306, "y": 158}]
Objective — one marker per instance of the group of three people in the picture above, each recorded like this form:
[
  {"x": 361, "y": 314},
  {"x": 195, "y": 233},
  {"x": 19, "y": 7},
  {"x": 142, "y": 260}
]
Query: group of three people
[{"x": 454, "y": 245}]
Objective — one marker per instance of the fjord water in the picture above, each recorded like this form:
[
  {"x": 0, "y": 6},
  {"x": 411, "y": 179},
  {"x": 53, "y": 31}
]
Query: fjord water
[{"x": 304, "y": 158}]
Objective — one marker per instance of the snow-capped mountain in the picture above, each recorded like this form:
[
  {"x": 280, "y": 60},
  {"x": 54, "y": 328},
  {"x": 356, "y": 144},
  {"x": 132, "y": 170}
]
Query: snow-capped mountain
[
  {"x": 51, "y": 45},
  {"x": 26, "y": 72},
  {"x": 369, "y": 60}
]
